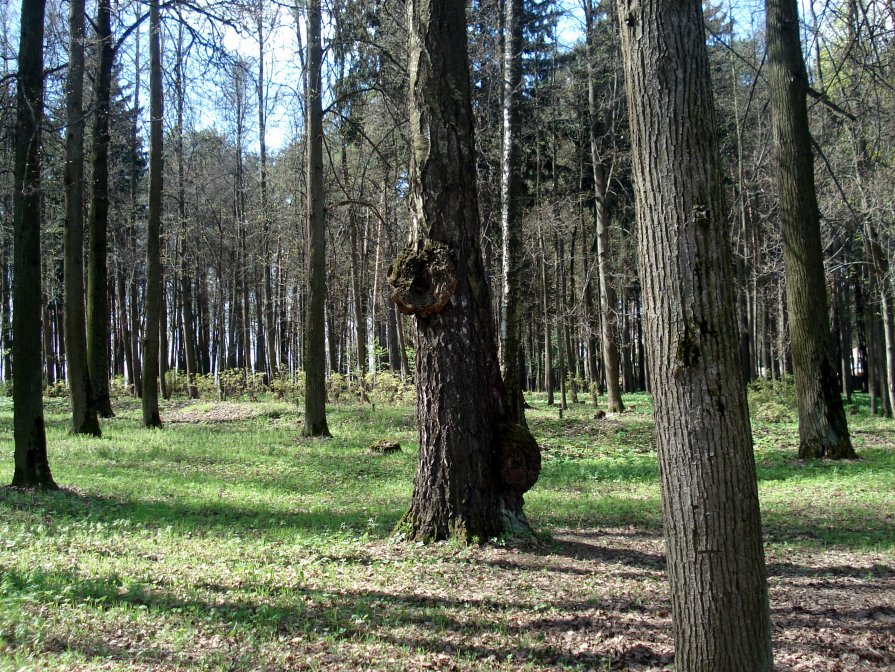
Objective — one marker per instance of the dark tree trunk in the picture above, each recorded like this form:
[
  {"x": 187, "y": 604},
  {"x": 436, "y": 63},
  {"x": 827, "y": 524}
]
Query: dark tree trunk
[
  {"x": 707, "y": 472},
  {"x": 32, "y": 468},
  {"x": 601, "y": 219},
  {"x": 84, "y": 417},
  {"x": 153, "y": 233},
  {"x": 823, "y": 431},
  {"x": 98, "y": 223},
  {"x": 314, "y": 355},
  {"x": 475, "y": 463}
]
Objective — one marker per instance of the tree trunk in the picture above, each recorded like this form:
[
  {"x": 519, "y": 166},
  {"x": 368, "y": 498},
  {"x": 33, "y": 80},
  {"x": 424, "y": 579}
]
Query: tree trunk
[
  {"x": 707, "y": 472},
  {"x": 84, "y": 417},
  {"x": 823, "y": 431},
  {"x": 614, "y": 402},
  {"x": 511, "y": 187},
  {"x": 475, "y": 463},
  {"x": 32, "y": 468},
  {"x": 163, "y": 341},
  {"x": 153, "y": 233},
  {"x": 314, "y": 356},
  {"x": 270, "y": 326},
  {"x": 98, "y": 223}
]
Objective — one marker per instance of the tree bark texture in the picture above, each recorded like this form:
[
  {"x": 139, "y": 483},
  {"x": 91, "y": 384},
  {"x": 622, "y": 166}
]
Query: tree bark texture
[
  {"x": 823, "y": 431},
  {"x": 84, "y": 417},
  {"x": 153, "y": 301},
  {"x": 510, "y": 220},
  {"x": 707, "y": 470},
  {"x": 98, "y": 222},
  {"x": 32, "y": 467},
  {"x": 475, "y": 463},
  {"x": 315, "y": 330}
]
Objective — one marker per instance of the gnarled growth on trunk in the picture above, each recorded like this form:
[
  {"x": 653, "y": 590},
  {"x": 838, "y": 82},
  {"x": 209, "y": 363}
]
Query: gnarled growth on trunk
[{"x": 475, "y": 464}]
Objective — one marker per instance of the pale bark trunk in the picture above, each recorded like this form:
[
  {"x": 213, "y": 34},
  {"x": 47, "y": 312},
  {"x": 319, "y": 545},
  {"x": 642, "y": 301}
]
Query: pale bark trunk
[
  {"x": 510, "y": 223},
  {"x": 707, "y": 471}
]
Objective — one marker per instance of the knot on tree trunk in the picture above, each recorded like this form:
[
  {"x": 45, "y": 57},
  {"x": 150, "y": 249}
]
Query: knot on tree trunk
[
  {"x": 423, "y": 280},
  {"x": 519, "y": 463}
]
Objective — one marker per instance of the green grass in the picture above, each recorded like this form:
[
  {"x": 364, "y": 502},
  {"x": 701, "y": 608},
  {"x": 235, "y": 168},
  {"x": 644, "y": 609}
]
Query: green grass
[{"x": 235, "y": 544}]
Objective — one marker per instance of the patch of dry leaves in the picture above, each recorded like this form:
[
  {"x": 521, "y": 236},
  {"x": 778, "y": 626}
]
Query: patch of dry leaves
[{"x": 592, "y": 599}]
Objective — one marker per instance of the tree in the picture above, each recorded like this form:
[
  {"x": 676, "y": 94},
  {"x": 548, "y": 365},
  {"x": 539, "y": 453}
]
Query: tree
[
  {"x": 98, "y": 221},
  {"x": 510, "y": 211},
  {"x": 475, "y": 462},
  {"x": 84, "y": 416},
  {"x": 32, "y": 467},
  {"x": 707, "y": 469},
  {"x": 601, "y": 215},
  {"x": 823, "y": 431},
  {"x": 153, "y": 234},
  {"x": 314, "y": 362}
]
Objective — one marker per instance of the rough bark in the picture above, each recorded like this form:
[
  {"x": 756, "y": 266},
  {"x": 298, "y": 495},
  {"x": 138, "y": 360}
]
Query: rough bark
[
  {"x": 315, "y": 331},
  {"x": 98, "y": 222},
  {"x": 823, "y": 431},
  {"x": 475, "y": 464},
  {"x": 153, "y": 230},
  {"x": 707, "y": 469},
  {"x": 84, "y": 417},
  {"x": 32, "y": 467}
]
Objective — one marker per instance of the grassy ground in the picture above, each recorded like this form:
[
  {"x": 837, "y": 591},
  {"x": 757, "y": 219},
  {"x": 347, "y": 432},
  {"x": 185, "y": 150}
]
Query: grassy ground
[{"x": 227, "y": 542}]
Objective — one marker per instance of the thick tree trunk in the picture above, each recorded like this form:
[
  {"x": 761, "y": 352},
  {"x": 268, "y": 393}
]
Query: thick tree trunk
[
  {"x": 314, "y": 355},
  {"x": 32, "y": 468},
  {"x": 475, "y": 463},
  {"x": 823, "y": 431},
  {"x": 710, "y": 508},
  {"x": 98, "y": 223},
  {"x": 153, "y": 233},
  {"x": 83, "y": 410}
]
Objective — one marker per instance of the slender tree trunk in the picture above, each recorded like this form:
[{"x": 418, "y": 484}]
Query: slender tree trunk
[
  {"x": 32, "y": 468},
  {"x": 510, "y": 207},
  {"x": 601, "y": 219},
  {"x": 84, "y": 417},
  {"x": 475, "y": 463},
  {"x": 98, "y": 223},
  {"x": 314, "y": 356},
  {"x": 270, "y": 326},
  {"x": 153, "y": 233},
  {"x": 823, "y": 431},
  {"x": 163, "y": 341},
  {"x": 707, "y": 472}
]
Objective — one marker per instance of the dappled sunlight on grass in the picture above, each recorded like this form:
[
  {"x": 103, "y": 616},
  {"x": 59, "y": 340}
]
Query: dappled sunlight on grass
[{"x": 227, "y": 541}]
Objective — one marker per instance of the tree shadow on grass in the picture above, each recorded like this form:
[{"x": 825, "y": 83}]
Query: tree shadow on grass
[
  {"x": 477, "y": 629},
  {"x": 63, "y": 506}
]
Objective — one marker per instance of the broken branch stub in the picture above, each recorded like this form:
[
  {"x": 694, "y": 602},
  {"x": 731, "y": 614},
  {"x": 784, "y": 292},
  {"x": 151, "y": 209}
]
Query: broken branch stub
[{"x": 423, "y": 280}]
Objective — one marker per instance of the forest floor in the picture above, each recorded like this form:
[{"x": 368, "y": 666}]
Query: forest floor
[{"x": 227, "y": 542}]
